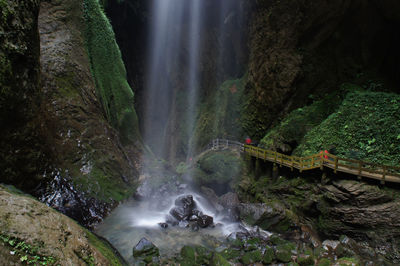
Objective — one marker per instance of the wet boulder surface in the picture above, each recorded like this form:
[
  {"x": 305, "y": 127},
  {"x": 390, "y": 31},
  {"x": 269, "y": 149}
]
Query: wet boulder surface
[
  {"x": 186, "y": 214},
  {"x": 32, "y": 231},
  {"x": 145, "y": 250}
]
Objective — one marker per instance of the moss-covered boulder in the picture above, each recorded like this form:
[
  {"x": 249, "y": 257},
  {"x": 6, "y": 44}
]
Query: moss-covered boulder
[
  {"x": 34, "y": 232},
  {"x": 220, "y": 170},
  {"x": 269, "y": 255},
  {"x": 220, "y": 114},
  {"x": 305, "y": 259},
  {"x": 145, "y": 250},
  {"x": 83, "y": 126},
  {"x": 109, "y": 72},
  {"x": 284, "y": 251},
  {"x": 365, "y": 127},
  {"x": 251, "y": 257},
  {"x": 218, "y": 260}
]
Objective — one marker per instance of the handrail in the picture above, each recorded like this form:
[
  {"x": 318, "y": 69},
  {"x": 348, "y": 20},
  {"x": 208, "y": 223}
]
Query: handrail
[{"x": 384, "y": 173}]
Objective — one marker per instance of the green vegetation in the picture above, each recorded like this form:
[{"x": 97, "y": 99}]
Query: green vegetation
[
  {"x": 220, "y": 115},
  {"x": 27, "y": 253},
  {"x": 293, "y": 128},
  {"x": 105, "y": 249},
  {"x": 220, "y": 167},
  {"x": 109, "y": 73},
  {"x": 366, "y": 127}
]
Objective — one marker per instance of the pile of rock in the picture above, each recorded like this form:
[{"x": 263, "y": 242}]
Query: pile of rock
[{"x": 185, "y": 214}]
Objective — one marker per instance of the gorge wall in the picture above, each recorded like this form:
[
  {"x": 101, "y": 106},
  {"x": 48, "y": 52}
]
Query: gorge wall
[{"x": 70, "y": 133}]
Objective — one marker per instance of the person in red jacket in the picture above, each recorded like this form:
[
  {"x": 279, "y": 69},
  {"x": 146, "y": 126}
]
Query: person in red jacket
[{"x": 248, "y": 140}]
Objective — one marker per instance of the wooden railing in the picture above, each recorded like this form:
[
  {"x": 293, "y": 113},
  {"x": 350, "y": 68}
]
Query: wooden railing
[{"x": 384, "y": 173}]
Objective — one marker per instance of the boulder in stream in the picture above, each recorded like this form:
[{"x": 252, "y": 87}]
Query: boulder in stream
[
  {"x": 145, "y": 250},
  {"x": 205, "y": 221}
]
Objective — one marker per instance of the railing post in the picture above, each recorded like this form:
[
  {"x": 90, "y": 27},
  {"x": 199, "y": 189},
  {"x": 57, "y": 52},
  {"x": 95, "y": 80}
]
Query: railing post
[
  {"x": 291, "y": 158},
  {"x": 265, "y": 155},
  {"x": 384, "y": 175},
  {"x": 312, "y": 162},
  {"x": 336, "y": 165},
  {"x": 359, "y": 170},
  {"x": 301, "y": 165},
  {"x": 321, "y": 166}
]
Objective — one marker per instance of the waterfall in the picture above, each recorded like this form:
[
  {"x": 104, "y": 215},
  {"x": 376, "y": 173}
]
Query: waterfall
[{"x": 173, "y": 71}]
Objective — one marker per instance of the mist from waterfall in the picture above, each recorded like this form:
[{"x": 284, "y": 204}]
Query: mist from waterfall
[{"x": 173, "y": 71}]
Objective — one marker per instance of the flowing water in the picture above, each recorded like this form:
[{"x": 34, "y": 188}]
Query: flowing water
[
  {"x": 134, "y": 220},
  {"x": 173, "y": 69}
]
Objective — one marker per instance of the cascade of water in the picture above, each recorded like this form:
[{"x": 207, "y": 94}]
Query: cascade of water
[
  {"x": 193, "y": 81},
  {"x": 174, "y": 61},
  {"x": 164, "y": 46}
]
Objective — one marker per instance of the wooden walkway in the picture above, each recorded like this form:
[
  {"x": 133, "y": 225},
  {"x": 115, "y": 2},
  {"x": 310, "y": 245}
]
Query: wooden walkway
[{"x": 360, "y": 169}]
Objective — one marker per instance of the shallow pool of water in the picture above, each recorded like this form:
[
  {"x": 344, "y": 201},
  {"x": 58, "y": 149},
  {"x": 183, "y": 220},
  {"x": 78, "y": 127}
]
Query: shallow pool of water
[{"x": 133, "y": 220}]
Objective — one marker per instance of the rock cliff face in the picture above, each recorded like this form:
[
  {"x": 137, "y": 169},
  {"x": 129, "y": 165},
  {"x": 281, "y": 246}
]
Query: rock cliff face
[
  {"x": 31, "y": 231},
  {"x": 20, "y": 155},
  {"x": 87, "y": 156},
  {"x": 58, "y": 138},
  {"x": 299, "y": 48}
]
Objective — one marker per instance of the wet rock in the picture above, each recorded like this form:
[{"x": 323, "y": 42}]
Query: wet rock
[
  {"x": 252, "y": 257},
  {"x": 197, "y": 213},
  {"x": 218, "y": 260},
  {"x": 185, "y": 201},
  {"x": 146, "y": 250},
  {"x": 283, "y": 252},
  {"x": 193, "y": 218},
  {"x": 305, "y": 259},
  {"x": 187, "y": 204},
  {"x": 183, "y": 224},
  {"x": 178, "y": 213},
  {"x": 274, "y": 217},
  {"x": 163, "y": 225},
  {"x": 230, "y": 202},
  {"x": 171, "y": 220},
  {"x": 205, "y": 221},
  {"x": 49, "y": 233},
  {"x": 269, "y": 255},
  {"x": 195, "y": 227}
]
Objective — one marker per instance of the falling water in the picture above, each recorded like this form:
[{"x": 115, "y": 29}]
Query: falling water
[
  {"x": 173, "y": 81},
  {"x": 164, "y": 47},
  {"x": 179, "y": 28}
]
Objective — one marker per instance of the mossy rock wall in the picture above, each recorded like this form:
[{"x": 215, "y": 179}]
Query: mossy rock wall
[
  {"x": 109, "y": 72},
  {"x": 22, "y": 152},
  {"x": 220, "y": 114},
  {"x": 61, "y": 241},
  {"x": 301, "y": 48},
  {"x": 94, "y": 162},
  {"x": 365, "y": 127}
]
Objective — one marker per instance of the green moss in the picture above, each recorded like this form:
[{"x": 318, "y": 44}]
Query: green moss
[
  {"x": 230, "y": 253},
  {"x": 105, "y": 249},
  {"x": 188, "y": 254},
  {"x": 324, "y": 262},
  {"x": 269, "y": 255},
  {"x": 366, "y": 127},
  {"x": 305, "y": 260},
  {"x": 102, "y": 184},
  {"x": 220, "y": 114},
  {"x": 284, "y": 251},
  {"x": 252, "y": 257},
  {"x": 348, "y": 262},
  {"x": 109, "y": 72},
  {"x": 27, "y": 253},
  {"x": 218, "y": 260},
  {"x": 300, "y": 121},
  {"x": 217, "y": 168}
]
